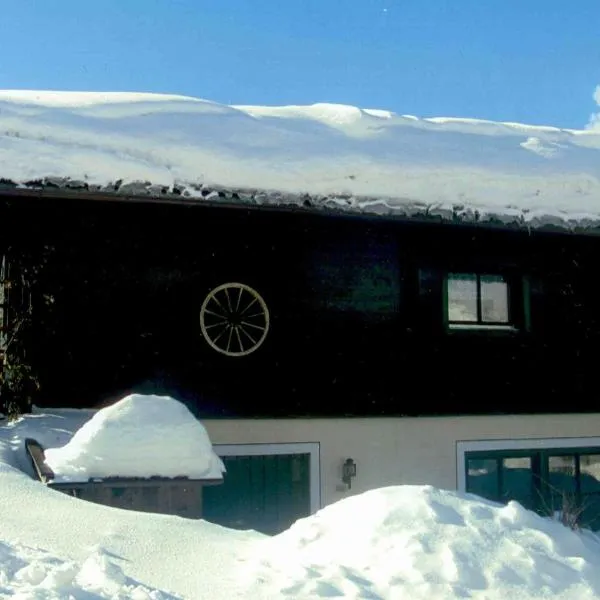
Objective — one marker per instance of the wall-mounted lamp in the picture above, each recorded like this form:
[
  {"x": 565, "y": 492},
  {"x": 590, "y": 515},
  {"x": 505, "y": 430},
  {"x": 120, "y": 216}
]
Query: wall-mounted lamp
[{"x": 348, "y": 472}]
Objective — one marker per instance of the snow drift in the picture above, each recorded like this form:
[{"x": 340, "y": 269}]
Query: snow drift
[
  {"x": 360, "y": 159},
  {"x": 392, "y": 543},
  {"x": 419, "y": 542}
]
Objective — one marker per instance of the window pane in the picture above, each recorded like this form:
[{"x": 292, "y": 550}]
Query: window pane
[
  {"x": 561, "y": 470},
  {"x": 590, "y": 511},
  {"x": 517, "y": 481},
  {"x": 589, "y": 469},
  {"x": 562, "y": 483},
  {"x": 482, "y": 478},
  {"x": 494, "y": 299},
  {"x": 462, "y": 298}
]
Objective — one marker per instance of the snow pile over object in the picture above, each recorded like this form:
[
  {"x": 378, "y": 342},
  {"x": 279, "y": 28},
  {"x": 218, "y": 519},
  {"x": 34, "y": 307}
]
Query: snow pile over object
[
  {"x": 422, "y": 543},
  {"x": 56, "y": 547},
  {"x": 138, "y": 436},
  {"x": 349, "y": 158}
]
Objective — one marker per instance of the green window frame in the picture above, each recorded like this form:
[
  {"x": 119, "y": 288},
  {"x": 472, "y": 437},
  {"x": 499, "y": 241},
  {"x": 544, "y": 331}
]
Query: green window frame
[
  {"x": 487, "y": 301},
  {"x": 563, "y": 482}
]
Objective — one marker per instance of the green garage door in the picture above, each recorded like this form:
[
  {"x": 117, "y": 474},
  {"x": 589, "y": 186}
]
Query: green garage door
[{"x": 266, "y": 493}]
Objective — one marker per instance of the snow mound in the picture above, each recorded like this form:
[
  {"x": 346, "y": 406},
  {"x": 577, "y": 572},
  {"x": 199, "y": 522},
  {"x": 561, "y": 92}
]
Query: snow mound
[
  {"x": 138, "y": 436},
  {"x": 419, "y": 542}
]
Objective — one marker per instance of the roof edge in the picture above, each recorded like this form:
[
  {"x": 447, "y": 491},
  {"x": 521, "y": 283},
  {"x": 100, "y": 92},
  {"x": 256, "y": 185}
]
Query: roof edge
[{"x": 347, "y": 205}]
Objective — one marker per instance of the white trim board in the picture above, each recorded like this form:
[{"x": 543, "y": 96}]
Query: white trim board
[
  {"x": 521, "y": 444},
  {"x": 312, "y": 448}
]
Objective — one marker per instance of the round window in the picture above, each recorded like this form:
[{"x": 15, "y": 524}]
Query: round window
[{"x": 234, "y": 319}]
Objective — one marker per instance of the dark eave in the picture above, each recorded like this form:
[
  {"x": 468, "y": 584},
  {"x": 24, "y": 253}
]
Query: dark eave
[{"x": 340, "y": 206}]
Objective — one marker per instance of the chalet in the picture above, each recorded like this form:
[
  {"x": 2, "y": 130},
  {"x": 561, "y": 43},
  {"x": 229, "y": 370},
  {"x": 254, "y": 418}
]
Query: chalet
[{"x": 327, "y": 348}]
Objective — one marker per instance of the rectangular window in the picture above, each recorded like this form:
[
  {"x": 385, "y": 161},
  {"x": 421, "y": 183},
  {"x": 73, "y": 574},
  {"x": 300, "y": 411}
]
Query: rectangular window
[
  {"x": 562, "y": 483},
  {"x": 353, "y": 276},
  {"x": 483, "y": 477},
  {"x": 477, "y": 300},
  {"x": 518, "y": 481},
  {"x": 502, "y": 478},
  {"x": 589, "y": 481}
]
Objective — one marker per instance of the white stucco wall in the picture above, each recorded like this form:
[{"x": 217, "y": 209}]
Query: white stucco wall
[{"x": 390, "y": 451}]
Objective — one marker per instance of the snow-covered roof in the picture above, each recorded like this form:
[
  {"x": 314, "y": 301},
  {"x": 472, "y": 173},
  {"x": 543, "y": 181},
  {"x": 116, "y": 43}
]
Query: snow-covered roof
[{"x": 337, "y": 156}]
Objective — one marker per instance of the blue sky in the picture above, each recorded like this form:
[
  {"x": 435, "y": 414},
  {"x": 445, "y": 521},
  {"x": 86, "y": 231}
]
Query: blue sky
[{"x": 535, "y": 61}]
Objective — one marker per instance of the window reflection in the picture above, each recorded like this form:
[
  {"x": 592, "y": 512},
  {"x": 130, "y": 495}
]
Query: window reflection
[
  {"x": 477, "y": 299},
  {"x": 589, "y": 481},
  {"x": 561, "y": 485},
  {"x": 482, "y": 478},
  {"x": 494, "y": 299},
  {"x": 462, "y": 298},
  {"x": 517, "y": 480},
  {"x": 589, "y": 467},
  {"x": 562, "y": 482}
]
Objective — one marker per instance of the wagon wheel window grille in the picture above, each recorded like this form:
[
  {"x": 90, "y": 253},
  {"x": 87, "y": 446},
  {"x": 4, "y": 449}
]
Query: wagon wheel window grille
[{"x": 234, "y": 319}]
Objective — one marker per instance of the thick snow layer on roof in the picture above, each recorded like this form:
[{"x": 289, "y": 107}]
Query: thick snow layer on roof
[
  {"x": 371, "y": 160},
  {"x": 122, "y": 440},
  {"x": 399, "y": 542}
]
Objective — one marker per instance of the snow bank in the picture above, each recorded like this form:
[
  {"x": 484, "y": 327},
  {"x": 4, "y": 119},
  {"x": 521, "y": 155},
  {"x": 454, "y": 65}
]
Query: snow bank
[
  {"x": 422, "y": 543},
  {"x": 394, "y": 543},
  {"x": 138, "y": 436},
  {"x": 360, "y": 159}
]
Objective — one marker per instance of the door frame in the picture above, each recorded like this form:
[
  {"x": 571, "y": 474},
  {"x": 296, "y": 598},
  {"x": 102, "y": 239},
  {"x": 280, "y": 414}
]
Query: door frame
[{"x": 311, "y": 448}]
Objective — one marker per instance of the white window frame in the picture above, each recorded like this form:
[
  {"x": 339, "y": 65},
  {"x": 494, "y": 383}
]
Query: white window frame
[
  {"x": 463, "y": 447},
  {"x": 311, "y": 448}
]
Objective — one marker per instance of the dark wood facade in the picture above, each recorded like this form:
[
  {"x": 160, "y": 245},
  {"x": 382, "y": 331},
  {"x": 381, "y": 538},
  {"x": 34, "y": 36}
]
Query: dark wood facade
[{"x": 356, "y": 304}]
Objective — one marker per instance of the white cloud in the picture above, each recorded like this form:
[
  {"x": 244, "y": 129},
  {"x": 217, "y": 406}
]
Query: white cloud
[{"x": 595, "y": 118}]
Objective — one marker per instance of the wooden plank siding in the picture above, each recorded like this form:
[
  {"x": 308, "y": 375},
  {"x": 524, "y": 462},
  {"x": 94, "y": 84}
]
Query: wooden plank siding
[{"x": 356, "y": 304}]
